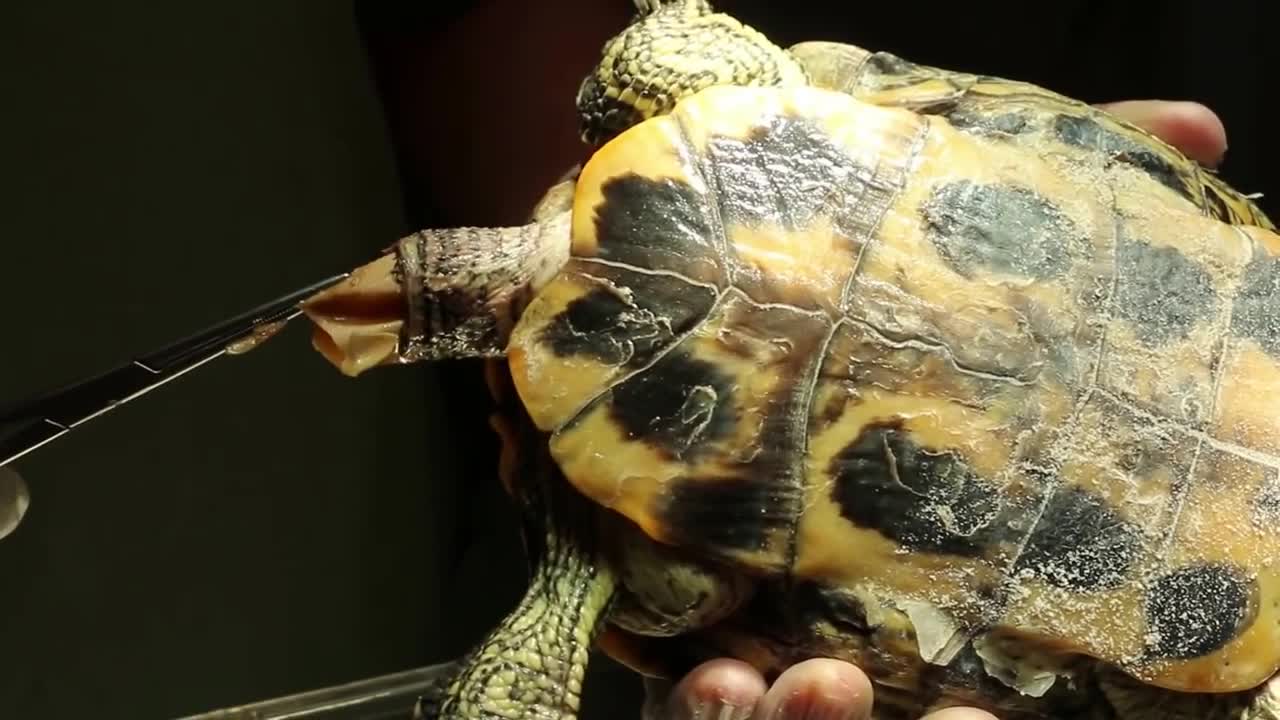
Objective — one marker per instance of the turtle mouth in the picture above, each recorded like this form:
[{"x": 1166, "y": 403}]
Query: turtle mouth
[{"x": 357, "y": 323}]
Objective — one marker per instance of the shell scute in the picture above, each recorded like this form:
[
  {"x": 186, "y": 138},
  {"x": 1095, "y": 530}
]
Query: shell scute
[
  {"x": 801, "y": 180},
  {"x": 1245, "y": 414},
  {"x": 698, "y": 448},
  {"x": 1028, "y": 115},
  {"x": 995, "y": 255},
  {"x": 910, "y": 494},
  {"x": 1005, "y": 393},
  {"x": 1212, "y": 609},
  {"x": 590, "y": 326},
  {"x": 1100, "y": 531}
]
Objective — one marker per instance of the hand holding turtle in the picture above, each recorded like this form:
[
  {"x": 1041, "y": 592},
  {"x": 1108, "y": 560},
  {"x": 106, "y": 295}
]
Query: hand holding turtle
[
  {"x": 1191, "y": 127},
  {"x": 818, "y": 689},
  {"x": 835, "y": 689}
]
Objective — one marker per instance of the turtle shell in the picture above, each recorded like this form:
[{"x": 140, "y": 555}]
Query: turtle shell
[
  {"x": 1022, "y": 113},
  {"x": 1010, "y": 391}
]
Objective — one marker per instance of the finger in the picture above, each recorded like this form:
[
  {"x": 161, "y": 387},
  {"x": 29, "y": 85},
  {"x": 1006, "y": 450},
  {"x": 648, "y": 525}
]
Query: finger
[
  {"x": 960, "y": 713},
  {"x": 715, "y": 690},
  {"x": 818, "y": 690},
  {"x": 1191, "y": 127}
]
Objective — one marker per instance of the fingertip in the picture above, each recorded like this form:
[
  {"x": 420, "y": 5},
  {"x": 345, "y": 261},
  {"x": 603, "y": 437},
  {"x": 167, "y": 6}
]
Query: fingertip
[
  {"x": 721, "y": 683},
  {"x": 819, "y": 688},
  {"x": 1190, "y": 126},
  {"x": 1202, "y": 131},
  {"x": 960, "y": 713}
]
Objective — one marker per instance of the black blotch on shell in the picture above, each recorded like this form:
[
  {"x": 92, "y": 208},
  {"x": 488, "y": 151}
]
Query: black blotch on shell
[
  {"x": 1089, "y": 134},
  {"x": 1257, "y": 304},
  {"x": 600, "y": 325},
  {"x": 678, "y": 406},
  {"x": 919, "y": 498},
  {"x": 1002, "y": 125},
  {"x": 730, "y": 512},
  {"x": 1080, "y": 543},
  {"x": 1000, "y": 228},
  {"x": 1161, "y": 292},
  {"x": 659, "y": 224},
  {"x": 626, "y": 329},
  {"x": 1196, "y": 610},
  {"x": 884, "y": 63},
  {"x": 785, "y": 173},
  {"x": 1266, "y": 504}
]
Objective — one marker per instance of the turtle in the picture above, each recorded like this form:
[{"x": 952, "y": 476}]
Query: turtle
[{"x": 824, "y": 353}]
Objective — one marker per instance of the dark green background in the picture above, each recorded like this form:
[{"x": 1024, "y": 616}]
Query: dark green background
[{"x": 265, "y": 525}]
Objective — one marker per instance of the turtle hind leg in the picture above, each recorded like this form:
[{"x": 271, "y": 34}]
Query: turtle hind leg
[
  {"x": 1265, "y": 704},
  {"x": 1132, "y": 700},
  {"x": 428, "y": 705},
  {"x": 438, "y": 294},
  {"x": 533, "y": 663}
]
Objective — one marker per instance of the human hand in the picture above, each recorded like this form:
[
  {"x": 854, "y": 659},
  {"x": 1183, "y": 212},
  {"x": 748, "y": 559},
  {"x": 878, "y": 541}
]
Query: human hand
[
  {"x": 817, "y": 689},
  {"x": 1191, "y": 127},
  {"x": 824, "y": 689}
]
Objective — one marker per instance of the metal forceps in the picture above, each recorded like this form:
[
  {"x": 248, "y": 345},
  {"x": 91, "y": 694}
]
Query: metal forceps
[
  {"x": 31, "y": 423},
  {"x": 34, "y": 422}
]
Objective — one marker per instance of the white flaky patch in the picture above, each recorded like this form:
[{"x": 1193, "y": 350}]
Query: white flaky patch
[
  {"x": 937, "y": 633},
  {"x": 1023, "y": 674}
]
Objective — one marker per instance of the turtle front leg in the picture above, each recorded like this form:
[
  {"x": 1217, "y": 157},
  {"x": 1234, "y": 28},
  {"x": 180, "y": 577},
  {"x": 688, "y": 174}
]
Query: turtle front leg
[
  {"x": 438, "y": 294},
  {"x": 694, "y": 8}
]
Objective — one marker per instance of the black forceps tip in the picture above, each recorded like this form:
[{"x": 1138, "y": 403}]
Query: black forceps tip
[{"x": 30, "y": 423}]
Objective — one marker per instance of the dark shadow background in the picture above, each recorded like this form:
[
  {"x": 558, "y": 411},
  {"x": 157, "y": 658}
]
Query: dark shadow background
[{"x": 265, "y": 525}]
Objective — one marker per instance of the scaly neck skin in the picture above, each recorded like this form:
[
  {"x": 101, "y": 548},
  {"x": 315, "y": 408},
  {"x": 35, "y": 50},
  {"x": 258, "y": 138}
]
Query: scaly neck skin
[{"x": 533, "y": 664}]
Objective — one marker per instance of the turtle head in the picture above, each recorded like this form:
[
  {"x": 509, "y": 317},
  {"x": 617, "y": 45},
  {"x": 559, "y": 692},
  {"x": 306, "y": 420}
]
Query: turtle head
[{"x": 672, "y": 49}]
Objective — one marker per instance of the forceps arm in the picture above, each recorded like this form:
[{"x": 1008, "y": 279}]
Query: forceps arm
[
  {"x": 388, "y": 697},
  {"x": 33, "y": 422}
]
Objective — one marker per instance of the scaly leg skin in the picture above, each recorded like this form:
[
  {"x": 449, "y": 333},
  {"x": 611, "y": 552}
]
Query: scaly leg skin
[
  {"x": 533, "y": 664},
  {"x": 1132, "y": 700},
  {"x": 428, "y": 705},
  {"x": 1266, "y": 704}
]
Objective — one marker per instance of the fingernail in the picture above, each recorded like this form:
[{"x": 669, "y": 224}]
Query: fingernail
[
  {"x": 806, "y": 707},
  {"x": 716, "y": 709}
]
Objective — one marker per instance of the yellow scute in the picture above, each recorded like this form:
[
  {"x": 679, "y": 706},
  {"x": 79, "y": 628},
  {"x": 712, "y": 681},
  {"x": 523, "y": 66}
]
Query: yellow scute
[
  {"x": 811, "y": 263},
  {"x": 653, "y": 149},
  {"x": 552, "y": 387}
]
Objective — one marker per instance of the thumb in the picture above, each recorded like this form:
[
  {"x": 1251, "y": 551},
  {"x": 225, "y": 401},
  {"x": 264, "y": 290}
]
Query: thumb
[{"x": 1189, "y": 126}]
